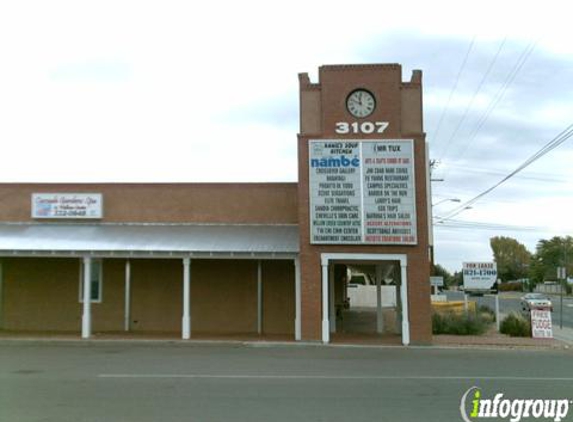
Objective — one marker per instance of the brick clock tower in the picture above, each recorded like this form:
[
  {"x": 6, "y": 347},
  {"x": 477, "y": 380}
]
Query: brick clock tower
[{"x": 363, "y": 195}]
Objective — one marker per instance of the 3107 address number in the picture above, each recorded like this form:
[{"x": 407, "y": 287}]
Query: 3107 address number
[{"x": 364, "y": 127}]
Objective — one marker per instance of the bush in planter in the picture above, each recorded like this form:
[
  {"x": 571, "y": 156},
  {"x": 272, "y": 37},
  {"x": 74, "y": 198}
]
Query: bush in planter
[
  {"x": 486, "y": 313},
  {"x": 459, "y": 324},
  {"x": 510, "y": 286},
  {"x": 515, "y": 325}
]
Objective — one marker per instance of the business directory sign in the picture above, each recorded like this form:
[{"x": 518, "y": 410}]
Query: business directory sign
[{"x": 362, "y": 192}]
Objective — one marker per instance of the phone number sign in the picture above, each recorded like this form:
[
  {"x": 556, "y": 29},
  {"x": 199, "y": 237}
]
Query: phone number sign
[{"x": 479, "y": 275}]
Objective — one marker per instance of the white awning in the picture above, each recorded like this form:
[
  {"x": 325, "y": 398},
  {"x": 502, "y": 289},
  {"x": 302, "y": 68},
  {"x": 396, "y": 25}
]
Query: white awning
[{"x": 201, "y": 240}]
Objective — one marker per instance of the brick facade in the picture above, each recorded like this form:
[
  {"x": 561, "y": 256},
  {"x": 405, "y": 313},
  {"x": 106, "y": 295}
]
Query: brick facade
[
  {"x": 42, "y": 293},
  {"x": 399, "y": 104}
]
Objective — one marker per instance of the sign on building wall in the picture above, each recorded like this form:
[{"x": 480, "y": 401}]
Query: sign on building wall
[
  {"x": 479, "y": 275},
  {"x": 67, "y": 205},
  {"x": 362, "y": 192},
  {"x": 541, "y": 326}
]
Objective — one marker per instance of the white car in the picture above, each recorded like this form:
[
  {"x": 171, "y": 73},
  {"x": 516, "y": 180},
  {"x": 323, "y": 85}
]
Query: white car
[{"x": 535, "y": 301}]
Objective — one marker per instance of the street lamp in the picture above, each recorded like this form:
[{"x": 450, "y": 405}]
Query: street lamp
[
  {"x": 431, "y": 228},
  {"x": 446, "y": 200}
]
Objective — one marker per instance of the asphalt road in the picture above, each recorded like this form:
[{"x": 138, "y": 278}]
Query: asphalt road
[
  {"x": 209, "y": 383},
  {"x": 511, "y": 303}
]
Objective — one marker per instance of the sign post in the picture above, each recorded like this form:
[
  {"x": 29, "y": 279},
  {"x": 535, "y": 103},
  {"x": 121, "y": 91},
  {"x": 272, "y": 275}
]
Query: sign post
[
  {"x": 497, "y": 321},
  {"x": 561, "y": 276}
]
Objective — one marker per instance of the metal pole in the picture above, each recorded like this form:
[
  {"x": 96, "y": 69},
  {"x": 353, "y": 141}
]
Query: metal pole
[
  {"x": 561, "y": 307},
  {"x": 259, "y": 298},
  {"x": 186, "y": 320},
  {"x": 127, "y": 315},
  {"x": 497, "y": 321}
]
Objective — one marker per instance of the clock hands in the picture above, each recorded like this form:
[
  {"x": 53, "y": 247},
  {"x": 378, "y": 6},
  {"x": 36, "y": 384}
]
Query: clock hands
[{"x": 360, "y": 103}]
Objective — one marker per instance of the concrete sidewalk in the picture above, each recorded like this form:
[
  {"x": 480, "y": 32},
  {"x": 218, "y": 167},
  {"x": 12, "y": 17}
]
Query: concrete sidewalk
[{"x": 564, "y": 334}]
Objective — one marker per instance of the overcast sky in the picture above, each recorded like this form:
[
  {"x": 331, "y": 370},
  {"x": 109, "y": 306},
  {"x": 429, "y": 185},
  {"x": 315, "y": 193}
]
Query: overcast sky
[{"x": 168, "y": 91}]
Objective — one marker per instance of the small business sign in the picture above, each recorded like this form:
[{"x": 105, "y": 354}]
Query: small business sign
[
  {"x": 437, "y": 281},
  {"x": 541, "y": 326},
  {"x": 479, "y": 275},
  {"x": 67, "y": 205}
]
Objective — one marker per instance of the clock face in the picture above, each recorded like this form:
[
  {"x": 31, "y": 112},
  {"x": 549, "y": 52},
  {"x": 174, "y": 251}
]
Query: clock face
[{"x": 360, "y": 103}]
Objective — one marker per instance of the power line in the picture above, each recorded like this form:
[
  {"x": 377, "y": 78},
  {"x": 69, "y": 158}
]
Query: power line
[
  {"x": 454, "y": 87},
  {"x": 470, "y": 103},
  {"x": 474, "y": 225},
  {"x": 500, "y": 94},
  {"x": 538, "y": 177},
  {"x": 551, "y": 145}
]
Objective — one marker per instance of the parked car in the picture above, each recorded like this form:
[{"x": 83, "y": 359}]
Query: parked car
[{"x": 535, "y": 301}]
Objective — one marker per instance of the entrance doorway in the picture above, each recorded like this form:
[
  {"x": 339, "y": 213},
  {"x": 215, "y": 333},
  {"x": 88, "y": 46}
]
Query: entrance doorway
[
  {"x": 364, "y": 295},
  {"x": 366, "y": 298}
]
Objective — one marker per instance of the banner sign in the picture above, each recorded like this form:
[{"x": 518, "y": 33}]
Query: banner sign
[
  {"x": 362, "y": 192},
  {"x": 541, "y": 326},
  {"x": 67, "y": 205},
  {"x": 479, "y": 275}
]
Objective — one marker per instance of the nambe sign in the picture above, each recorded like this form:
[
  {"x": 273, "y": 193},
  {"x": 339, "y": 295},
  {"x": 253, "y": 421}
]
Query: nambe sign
[
  {"x": 67, "y": 205},
  {"x": 362, "y": 192},
  {"x": 479, "y": 275}
]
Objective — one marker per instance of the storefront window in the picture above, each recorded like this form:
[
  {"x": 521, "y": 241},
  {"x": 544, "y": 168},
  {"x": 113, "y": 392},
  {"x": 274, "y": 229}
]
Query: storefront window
[{"x": 96, "y": 281}]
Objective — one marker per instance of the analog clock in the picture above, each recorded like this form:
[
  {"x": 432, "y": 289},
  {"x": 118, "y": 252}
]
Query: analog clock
[{"x": 360, "y": 103}]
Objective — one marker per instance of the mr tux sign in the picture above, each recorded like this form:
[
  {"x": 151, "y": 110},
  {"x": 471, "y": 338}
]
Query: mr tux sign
[{"x": 362, "y": 192}]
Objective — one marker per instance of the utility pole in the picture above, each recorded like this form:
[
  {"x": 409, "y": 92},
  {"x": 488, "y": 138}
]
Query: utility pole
[{"x": 563, "y": 281}]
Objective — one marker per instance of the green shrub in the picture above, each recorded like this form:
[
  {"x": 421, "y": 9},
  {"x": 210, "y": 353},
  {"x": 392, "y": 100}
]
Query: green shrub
[
  {"x": 459, "y": 324},
  {"x": 510, "y": 286},
  {"x": 486, "y": 313},
  {"x": 515, "y": 326}
]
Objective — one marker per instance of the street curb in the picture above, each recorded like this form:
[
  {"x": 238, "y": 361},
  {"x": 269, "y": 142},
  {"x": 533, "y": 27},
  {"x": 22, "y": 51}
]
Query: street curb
[{"x": 268, "y": 344}]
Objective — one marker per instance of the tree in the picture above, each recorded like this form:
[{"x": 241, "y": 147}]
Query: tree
[
  {"x": 449, "y": 278},
  {"x": 512, "y": 258},
  {"x": 442, "y": 272},
  {"x": 550, "y": 254}
]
